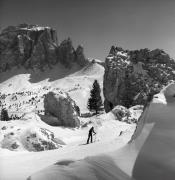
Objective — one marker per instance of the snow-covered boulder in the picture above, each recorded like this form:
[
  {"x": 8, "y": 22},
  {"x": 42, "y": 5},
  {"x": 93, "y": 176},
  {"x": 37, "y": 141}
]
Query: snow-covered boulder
[
  {"x": 120, "y": 112},
  {"x": 30, "y": 139},
  {"x": 130, "y": 115},
  {"x": 39, "y": 139},
  {"x": 63, "y": 107}
]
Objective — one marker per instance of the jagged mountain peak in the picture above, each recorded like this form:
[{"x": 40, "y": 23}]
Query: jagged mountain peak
[
  {"x": 34, "y": 47},
  {"x": 115, "y": 49}
]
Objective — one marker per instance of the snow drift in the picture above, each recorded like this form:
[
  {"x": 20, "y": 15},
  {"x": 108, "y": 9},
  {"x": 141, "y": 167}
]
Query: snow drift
[{"x": 149, "y": 155}]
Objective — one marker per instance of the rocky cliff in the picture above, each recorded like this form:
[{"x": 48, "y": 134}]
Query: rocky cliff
[
  {"x": 33, "y": 46},
  {"x": 133, "y": 77}
]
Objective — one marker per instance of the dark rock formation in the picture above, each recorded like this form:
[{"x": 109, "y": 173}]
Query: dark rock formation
[
  {"x": 133, "y": 77},
  {"x": 63, "y": 108},
  {"x": 32, "y": 46},
  {"x": 79, "y": 56},
  {"x": 66, "y": 53}
]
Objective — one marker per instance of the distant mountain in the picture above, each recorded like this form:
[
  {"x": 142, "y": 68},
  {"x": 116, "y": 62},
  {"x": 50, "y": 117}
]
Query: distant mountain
[
  {"x": 32, "y": 46},
  {"x": 98, "y": 61},
  {"x": 94, "y": 67},
  {"x": 133, "y": 77}
]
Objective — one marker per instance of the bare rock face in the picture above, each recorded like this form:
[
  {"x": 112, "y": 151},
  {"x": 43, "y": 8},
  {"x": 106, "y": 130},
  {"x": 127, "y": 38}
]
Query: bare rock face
[
  {"x": 33, "y": 46},
  {"x": 67, "y": 55},
  {"x": 63, "y": 108},
  {"x": 80, "y": 58},
  {"x": 133, "y": 77},
  {"x": 28, "y": 45}
]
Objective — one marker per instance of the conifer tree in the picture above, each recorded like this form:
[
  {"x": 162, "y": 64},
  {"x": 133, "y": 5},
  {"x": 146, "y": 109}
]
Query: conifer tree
[
  {"x": 4, "y": 115},
  {"x": 95, "y": 101}
]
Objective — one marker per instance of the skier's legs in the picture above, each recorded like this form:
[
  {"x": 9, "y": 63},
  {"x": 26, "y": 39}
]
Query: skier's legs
[
  {"x": 91, "y": 138},
  {"x": 88, "y": 139}
]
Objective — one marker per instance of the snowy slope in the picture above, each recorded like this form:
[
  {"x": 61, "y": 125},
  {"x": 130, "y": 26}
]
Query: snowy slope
[
  {"x": 19, "y": 165},
  {"x": 149, "y": 155},
  {"x": 22, "y": 94},
  {"x": 22, "y": 90}
]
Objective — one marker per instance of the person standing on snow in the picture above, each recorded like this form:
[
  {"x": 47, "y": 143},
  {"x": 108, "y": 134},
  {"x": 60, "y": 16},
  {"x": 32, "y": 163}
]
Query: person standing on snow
[{"x": 91, "y": 132}]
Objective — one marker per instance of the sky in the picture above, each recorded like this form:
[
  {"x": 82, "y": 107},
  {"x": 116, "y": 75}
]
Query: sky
[{"x": 99, "y": 24}]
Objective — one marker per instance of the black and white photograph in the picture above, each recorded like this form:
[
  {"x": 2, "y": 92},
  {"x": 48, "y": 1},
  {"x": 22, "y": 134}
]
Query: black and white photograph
[{"x": 87, "y": 89}]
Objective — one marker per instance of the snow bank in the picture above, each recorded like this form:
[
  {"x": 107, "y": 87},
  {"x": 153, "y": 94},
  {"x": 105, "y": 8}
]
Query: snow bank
[{"x": 91, "y": 168}]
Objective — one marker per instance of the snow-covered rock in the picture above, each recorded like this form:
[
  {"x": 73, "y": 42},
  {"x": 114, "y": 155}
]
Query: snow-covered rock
[
  {"x": 130, "y": 115},
  {"x": 133, "y": 77},
  {"x": 63, "y": 107},
  {"x": 30, "y": 138}
]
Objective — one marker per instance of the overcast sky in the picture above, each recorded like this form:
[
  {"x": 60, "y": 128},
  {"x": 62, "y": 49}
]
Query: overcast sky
[{"x": 98, "y": 24}]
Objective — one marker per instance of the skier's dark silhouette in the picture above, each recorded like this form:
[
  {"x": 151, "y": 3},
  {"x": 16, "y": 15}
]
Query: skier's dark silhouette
[
  {"x": 121, "y": 132},
  {"x": 90, "y": 134}
]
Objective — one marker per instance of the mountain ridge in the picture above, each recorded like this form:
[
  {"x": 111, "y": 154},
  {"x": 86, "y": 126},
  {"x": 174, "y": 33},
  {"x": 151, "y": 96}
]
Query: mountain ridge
[{"x": 34, "y": 47}]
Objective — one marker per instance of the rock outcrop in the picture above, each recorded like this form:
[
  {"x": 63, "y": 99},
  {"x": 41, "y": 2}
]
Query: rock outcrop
[
  {"x": 133, "y": 77},
  {"x": 63, "y": 108},
  {"x": 33, "y": 47}
]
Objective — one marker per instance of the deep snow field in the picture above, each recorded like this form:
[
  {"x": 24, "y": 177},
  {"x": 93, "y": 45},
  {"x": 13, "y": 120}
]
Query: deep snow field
[
  {"x": 121, "y": 150},
  {"x": 149, "y": 155},
  {"x": 23, "y": 97},
  {"x": 21, "y": 164}
]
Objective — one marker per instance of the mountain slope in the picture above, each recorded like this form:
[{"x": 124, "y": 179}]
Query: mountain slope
[{"x": 17, "y": 92}]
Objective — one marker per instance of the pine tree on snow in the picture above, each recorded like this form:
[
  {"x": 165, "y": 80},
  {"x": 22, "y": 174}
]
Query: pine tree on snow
[
  {"x": 4, "y": 115},
  {"x": 95, "y": 101}
]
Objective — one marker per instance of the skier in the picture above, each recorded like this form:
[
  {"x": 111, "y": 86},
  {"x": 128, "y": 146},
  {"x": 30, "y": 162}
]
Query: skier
[
  {"x": 121, "y": 132},
  {"x": 90, "y": 134}
]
